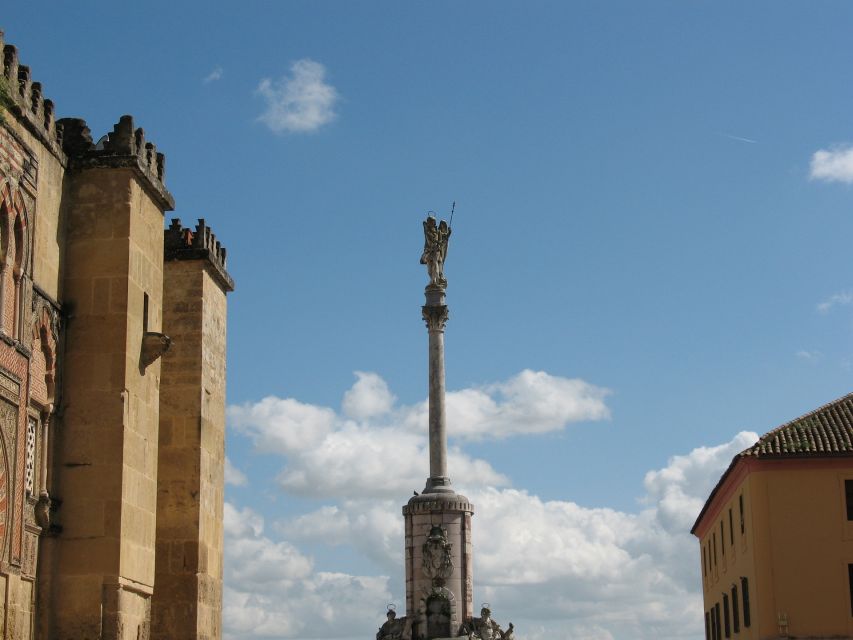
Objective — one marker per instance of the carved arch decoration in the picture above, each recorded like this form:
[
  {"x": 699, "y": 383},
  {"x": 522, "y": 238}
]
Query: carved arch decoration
[
  {"x": 45, "y": 335},
  {"x": 8, "y": 423},
  {"x": 422, "y": 612},
  {"x": 14, "y": 231}
]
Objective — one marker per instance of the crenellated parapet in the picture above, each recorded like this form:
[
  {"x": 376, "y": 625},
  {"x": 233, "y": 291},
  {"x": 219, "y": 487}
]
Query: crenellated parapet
[
  {"x": 181, "y": 243},
  {"x": 70, "y": 140},
  {"x": 28, "y": 102},
  {"x": 124, "y": 146}
]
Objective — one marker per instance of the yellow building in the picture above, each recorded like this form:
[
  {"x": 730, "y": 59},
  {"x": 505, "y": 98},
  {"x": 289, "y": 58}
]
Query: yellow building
[{"x": 776, "y": 534}]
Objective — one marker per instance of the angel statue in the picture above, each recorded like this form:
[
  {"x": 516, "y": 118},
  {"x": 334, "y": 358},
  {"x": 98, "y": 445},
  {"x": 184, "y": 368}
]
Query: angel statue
[{"x": 436, "y": 237}]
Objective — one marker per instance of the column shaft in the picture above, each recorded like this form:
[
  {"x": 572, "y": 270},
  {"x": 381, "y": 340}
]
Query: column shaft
[{"x": 437, "y": 416}]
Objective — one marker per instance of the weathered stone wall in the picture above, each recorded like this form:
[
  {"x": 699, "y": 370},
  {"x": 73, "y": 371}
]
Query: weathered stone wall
[
  {"x": 81, "y": 282},
  {"x": 107, "y": 462},
  {"x": 37, "y": 158},
  {"x": 188, "y": 598},
  {"x": 30, "y": 174}
]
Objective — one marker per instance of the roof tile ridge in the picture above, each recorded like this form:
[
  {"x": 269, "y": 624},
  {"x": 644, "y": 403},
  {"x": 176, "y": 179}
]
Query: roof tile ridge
[
  {"x": 847, "y": 419},
  {"x": 833, "y": 427},
  {"x": 766, "y": 438}
]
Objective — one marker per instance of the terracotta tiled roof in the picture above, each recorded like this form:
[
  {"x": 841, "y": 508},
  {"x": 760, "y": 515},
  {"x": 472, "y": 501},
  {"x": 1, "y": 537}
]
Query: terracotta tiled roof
[
  {"x": 824, "y": 432},
  {"x": 827, "y": 431}
]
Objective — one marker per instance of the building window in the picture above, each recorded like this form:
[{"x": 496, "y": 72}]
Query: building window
[
  {"x": 744, "y": 588},
  {"x": 710, "y": 615},
  {"x": 719, "y": 624},
  {"x": 722, "y": 539},
  {"x": 735, "y": 609},
  {"x": 848, "y": 491},
  {"x": 144, "y": 313},
  {"x": 30, "y": 460},
  {"x": 715, "y": 549},
  {"x": 708, "y": 626},
  {"x": 726, "y": 619},
  {"x": 731, "y": 529},
  {"x": 704, "y": 562},
  {"x": 740, "y": 502},
  {"x": 850, "y": 580}
]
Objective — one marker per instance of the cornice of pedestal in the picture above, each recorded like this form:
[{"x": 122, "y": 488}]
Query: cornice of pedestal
[{"x": 438, "y": 503}]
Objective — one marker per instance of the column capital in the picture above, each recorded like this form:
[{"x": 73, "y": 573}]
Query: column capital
[{"x": 435, "y": 317}]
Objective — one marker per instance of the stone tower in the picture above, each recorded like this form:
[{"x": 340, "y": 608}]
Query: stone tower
[
  {"x": 187, "y": 601},
  {"x": 439, "y": 558},
  {"x": 106, "y": 453}
]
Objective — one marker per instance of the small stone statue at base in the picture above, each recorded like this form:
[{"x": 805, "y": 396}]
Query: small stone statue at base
[
  {"x": 393, "y": 628},
  {"x": 484, "y": 628}
]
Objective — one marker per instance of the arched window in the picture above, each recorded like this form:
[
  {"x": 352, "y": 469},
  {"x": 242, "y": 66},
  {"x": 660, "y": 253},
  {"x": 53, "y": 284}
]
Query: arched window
[
  {"x": 5, "y": 204},
  {"x": 42, "y": 391},
  {"x": 18, "y": 272}
]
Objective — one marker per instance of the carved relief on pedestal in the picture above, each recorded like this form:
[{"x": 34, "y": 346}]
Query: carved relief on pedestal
[{"x": 437, "y": 556}]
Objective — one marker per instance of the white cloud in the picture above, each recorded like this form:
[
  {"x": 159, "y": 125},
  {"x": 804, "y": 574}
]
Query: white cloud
[
  {"x": 375, "y": 449},
  {"x": 283, "y": 426},
  {"x": 213, "y": 76},
  {"x": 554, "y": 568},
  {"x": 679, "y": 490},
  {"x": 357, "y": 461},
  {"x": 233, "y": 475},
  {"x": 530, "y": 402},
  {"x": 273, "y": 591},
  {"x": 835, "y": 300},
  {"x": 833, "y": 165},
  {"x": 240, "y": 523},
  {"x": 368, "y": 397},
  {"x": 809, "y": 356},
  {"x": 373, "y": 527},
  {"x": 299, "y": 102}
]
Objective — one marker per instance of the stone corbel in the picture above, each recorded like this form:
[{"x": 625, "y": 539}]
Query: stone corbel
[{"x": 154, "y": 345}]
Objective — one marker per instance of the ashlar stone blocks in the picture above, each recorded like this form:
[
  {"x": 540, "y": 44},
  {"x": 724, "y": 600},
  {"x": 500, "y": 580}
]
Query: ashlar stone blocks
[{"x": 188, "y": 598}]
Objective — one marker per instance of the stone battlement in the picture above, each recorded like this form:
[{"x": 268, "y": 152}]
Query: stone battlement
[
  {"x": 70, "y": 140},
  {"x": 124, "y": 146},
  {"x": 29, "y": 104},
  {"x": 181, "y": 243}
]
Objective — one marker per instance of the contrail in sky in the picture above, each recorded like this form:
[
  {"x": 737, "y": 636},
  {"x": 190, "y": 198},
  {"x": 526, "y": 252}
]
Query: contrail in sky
[{"x": 739, "y": 138}]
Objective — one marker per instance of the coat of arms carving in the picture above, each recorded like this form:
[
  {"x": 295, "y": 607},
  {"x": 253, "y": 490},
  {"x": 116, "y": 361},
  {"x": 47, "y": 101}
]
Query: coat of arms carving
[{"x": 437, "y": 556}]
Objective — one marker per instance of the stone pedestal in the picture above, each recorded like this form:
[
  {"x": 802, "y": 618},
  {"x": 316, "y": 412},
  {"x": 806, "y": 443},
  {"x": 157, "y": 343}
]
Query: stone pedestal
[{"x": 439, "y": 564}]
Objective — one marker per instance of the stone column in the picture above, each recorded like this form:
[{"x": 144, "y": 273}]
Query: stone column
[{"x": 435, "y": 315}]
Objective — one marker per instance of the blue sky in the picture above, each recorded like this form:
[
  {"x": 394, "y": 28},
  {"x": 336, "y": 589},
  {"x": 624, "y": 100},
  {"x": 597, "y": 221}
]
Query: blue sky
[{"x": 640, "y": 209}]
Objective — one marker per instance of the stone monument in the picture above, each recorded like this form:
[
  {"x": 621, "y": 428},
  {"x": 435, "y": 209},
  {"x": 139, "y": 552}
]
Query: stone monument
[{"x": 439, "y": 552}]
